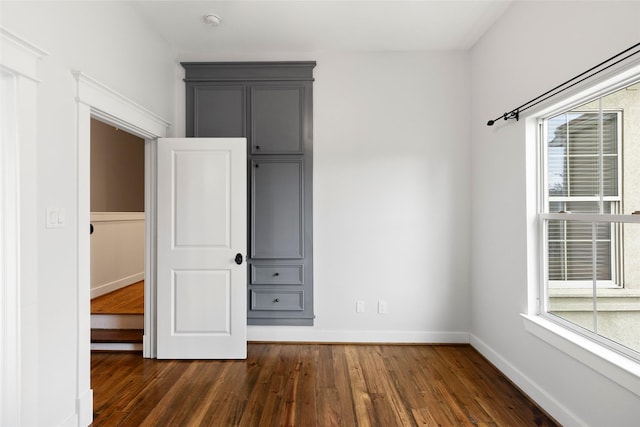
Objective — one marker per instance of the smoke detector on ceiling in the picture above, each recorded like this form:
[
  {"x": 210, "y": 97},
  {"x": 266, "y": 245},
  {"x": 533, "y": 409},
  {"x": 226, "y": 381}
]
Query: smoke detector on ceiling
[{"x": 212, "y": 19}]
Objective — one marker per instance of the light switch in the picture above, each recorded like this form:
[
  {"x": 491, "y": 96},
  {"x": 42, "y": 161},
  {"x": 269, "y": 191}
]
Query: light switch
[{"x": 55, "y": 218}]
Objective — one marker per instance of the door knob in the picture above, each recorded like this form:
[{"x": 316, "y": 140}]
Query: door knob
[{"x": 238, "y": 259}]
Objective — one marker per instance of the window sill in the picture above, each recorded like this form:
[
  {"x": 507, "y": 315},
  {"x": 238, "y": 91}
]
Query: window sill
[{"x": 618, "y": 368}]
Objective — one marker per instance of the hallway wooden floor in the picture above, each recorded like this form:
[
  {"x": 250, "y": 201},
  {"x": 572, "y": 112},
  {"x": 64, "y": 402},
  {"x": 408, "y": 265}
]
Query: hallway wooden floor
[
  {"x": 311, "y": 385},
  {"x": 127, "y": 300}
]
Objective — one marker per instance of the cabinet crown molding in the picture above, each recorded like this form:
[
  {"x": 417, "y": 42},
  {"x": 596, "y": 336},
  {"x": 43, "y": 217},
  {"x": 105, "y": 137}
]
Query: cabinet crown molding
[{"x": 248, "y": 71}]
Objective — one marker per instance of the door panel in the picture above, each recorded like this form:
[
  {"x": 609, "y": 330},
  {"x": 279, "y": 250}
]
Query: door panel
[
  {"x": 277, "y": 204},
  {"x": 201, "y": 194},
  {"x": 193, "y": 291},
  {"x": 201, "y": 227}
]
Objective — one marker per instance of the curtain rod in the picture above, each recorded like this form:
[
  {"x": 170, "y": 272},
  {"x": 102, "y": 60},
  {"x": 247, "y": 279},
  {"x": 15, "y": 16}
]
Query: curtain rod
[{"x": 515, "y": 113}]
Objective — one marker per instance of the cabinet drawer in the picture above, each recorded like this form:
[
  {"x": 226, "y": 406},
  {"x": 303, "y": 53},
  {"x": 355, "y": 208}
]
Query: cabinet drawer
[
  {"x": 277, "y": 274},
  {"x": 277, "y": 300}
]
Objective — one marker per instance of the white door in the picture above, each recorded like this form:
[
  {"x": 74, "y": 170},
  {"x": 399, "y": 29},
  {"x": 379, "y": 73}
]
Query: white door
[{"x": 201, "y": 244}]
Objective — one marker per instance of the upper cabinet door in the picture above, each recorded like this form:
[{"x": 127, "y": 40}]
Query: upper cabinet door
[
  {"x": 277, "y": 115},
  {"x": 220, "y": 111}
]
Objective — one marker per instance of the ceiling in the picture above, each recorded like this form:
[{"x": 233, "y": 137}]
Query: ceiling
[{"x": 250, "y": 26}]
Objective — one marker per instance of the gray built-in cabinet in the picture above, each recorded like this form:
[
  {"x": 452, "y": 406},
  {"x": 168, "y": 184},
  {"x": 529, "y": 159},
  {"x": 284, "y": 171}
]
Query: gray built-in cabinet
[{"x": 269, "y": 103}]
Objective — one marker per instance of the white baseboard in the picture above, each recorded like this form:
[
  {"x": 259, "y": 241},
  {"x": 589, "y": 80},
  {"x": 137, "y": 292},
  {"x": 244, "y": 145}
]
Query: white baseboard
[
  {"x": 72, "y": 421},
  {"x": 116, "y": 284},
  {"x": 310, "y": 334},
  {"x": 84, "y": 407},
  {"x": 563, "y": 415}
]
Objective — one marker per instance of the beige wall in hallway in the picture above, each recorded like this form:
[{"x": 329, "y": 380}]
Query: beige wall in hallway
[{"x": 117, "y": 170}]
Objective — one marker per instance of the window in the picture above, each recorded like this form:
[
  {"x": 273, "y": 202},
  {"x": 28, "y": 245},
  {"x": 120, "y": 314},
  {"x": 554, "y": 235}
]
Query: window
[
  {"x": 591, "y": 237},
  {"x": 582, "y": 165}
]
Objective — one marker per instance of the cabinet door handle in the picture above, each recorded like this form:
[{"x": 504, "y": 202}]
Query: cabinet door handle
[
  {"x": 257, "y": 165},
  {"x": 238, "y": 259},
  {"x": 257, "y": 147}
]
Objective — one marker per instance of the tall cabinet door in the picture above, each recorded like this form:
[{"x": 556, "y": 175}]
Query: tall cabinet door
[{"x": 277, "y": 209}]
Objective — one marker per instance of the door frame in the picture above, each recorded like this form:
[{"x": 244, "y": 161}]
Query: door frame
[
  {"x": 18, "y": 245},
  {"x": 96, "y": 100}
]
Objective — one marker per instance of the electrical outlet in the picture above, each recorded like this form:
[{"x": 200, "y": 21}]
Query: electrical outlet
[
  {"x": 382, "y": 307},
  {"x": 359, "y": 306}
]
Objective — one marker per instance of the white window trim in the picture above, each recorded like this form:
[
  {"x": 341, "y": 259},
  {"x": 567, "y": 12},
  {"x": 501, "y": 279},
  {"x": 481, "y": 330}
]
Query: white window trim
[
  {"x": 613, "y": 365},
  {"x": 619, "y": 368}
]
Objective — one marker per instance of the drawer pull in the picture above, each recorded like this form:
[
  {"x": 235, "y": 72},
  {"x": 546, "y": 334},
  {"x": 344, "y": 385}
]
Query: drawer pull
[
  {"x": 276, "y": 300},
  {"x": 276, "y": 274}
]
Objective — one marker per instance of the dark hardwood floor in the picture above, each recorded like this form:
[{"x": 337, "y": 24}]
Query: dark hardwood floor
[{"x": 311, "y": 385}]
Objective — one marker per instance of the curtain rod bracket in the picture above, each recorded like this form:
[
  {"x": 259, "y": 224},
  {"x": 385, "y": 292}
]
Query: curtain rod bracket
[{"x": 514, "y": 114}]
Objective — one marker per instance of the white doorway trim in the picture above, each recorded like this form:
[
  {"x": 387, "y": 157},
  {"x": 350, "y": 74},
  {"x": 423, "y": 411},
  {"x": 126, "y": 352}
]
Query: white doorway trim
[
  {"x": 103, "y": 103},
  {"x": 18, "y": 230}
]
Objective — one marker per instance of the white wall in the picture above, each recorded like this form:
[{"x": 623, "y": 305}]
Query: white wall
[
  {"x": 109, "y": 43},
  {"x": 391, "y": 196},
  {"x": 535, "y": 46}
]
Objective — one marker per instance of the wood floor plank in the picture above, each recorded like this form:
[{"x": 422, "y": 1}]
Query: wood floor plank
[
  {"x": 365, "y": 414},
  {"x": 387, "y": 402},
  {"x": 311, "y": 385},
  {"x": 341, "y": 381}
]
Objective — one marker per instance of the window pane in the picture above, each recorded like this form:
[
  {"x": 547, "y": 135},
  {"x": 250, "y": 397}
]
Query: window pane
[
  {"x": 575, "y": 306},
  {"x": 570, "y": 251},
  {"x": 619, "y": 312},
  {"x": 579, "y": 160}
]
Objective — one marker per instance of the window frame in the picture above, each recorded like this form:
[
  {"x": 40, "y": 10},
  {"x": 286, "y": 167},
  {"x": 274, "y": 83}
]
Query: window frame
[{"x": 575, "y": 333}]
